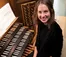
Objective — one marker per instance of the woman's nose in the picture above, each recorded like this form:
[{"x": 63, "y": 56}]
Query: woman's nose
[{"x": 42, "y": 15}]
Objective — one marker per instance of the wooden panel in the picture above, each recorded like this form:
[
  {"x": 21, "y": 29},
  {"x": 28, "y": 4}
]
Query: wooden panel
[
  {"x": 23, "y": 1},
  {"x": 3, "y": 2},
  {"x": 13, "y": 6}
]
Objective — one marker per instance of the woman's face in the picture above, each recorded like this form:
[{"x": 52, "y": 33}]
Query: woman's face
[{"x": 43, "y": 13}]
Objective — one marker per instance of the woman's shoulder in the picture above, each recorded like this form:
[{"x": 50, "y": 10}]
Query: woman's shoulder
[
  {"x": 56, "y": 26},
  {"x": 57, "y": 31}
]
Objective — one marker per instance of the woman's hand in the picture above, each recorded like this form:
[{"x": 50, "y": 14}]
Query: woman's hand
[{"x": 35, "y": 52}]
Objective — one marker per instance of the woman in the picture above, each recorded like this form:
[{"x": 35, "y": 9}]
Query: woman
[{"x": 49, "y": 41}]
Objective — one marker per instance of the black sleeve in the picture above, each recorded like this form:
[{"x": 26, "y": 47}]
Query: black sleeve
[{"x": 57, "y": 43}]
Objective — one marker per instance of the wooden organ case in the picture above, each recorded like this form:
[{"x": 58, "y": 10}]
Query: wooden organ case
[{"x": 19, "y": 35}]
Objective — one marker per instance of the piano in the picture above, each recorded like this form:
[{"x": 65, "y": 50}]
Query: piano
[{"x": 15, "y": 40}]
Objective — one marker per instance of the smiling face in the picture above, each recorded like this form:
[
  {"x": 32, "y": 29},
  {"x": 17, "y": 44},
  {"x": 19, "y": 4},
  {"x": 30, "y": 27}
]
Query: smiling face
[{"x": 43, "y": 13}]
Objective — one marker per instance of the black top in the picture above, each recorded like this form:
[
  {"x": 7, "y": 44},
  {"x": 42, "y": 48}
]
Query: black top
[{"x": 49, "y": 41}]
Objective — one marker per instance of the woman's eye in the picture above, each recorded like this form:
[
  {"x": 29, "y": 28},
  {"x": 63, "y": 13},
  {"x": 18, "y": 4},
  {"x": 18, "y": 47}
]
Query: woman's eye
[
  {"x": 39, "y": 11},
  {"x": 45, "y": 11}
]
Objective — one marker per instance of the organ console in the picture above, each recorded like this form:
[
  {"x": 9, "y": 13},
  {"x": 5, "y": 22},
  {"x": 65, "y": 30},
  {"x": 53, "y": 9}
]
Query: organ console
[{"x": 17, "y": 41}]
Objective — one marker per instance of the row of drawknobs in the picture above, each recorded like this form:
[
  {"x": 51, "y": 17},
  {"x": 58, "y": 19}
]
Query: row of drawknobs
[
  {"x": 27, "y": 12},
  {"x": 15, "y": 41}
]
